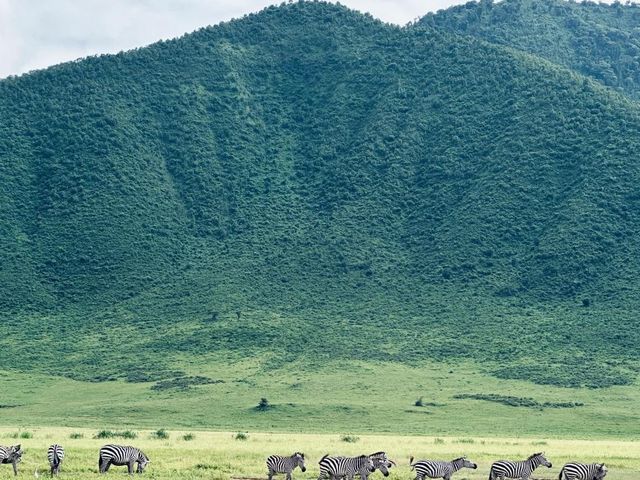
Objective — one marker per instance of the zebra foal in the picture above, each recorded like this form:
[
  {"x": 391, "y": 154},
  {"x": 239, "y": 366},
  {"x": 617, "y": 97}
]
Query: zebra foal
[
  {"x": 438, "y": 468},
  {"x": 280, "y": 464},
  {"x": 337, "y": 467},
  {"x": 583, "y": 471},
  {"x": 120, "y": 455},
  {"x": 12, "y": 455},
  {"x": 507, "y": 469},
  {"x": 55, "y": 454}
]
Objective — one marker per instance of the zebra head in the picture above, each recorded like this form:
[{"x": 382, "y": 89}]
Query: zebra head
[
  {"x": 540, "y": 459},
  {"x": 601, "y": 471},
  {"x": 15, "y": 454},
  {"x": 462, "y": 462},
  {"x": 381, "y": 462},
  {"x": 367, "y": 462},
  {"x": 299, "y": 458},
  {"x": 143, "y": 461}
]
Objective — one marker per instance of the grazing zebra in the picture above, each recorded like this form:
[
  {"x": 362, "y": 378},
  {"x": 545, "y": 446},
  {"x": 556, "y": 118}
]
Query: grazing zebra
[
  {"x": 583, "y": 471},
  {"x": 55, "y": 454},
  {"x": 348, "y": 467},
  {"x": 280, "y": 464},
  {"x": 507, "y": 469},
  {"x": 439, "y": 469},
  {"x": 380, "y": 462},
  {"x": 121, "y": 455},
  {"x": 12, "y": 455}
]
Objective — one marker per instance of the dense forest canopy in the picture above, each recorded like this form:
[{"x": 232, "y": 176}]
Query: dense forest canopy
[{"x": 269, "y": 183}]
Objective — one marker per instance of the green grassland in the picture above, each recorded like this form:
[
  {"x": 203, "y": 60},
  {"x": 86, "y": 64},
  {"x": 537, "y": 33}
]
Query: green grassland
[
  {"x": 340, "y": 396},
  {"x": 220, "y": 456}
]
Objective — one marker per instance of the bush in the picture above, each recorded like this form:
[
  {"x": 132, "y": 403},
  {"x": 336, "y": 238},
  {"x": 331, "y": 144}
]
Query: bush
[
  {"x": 438, "y": 441},
  {"x": 161, "y": 434},
  {"x": 26, "y": 435},
  {"x": 349, "y": 438},
  {"x": 418, "y": 403},
  {"x": 242, "y": 436},
  {"x": 111, "y": 434},
  {"x": 76, "y": 435},
  {"x": 263, "y": 405},
  {"x": 187, "y": 437}
]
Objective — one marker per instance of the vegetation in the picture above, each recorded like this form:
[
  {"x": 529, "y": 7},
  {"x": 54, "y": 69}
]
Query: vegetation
[
  {"x": 218, "y": 456},
  {"x": 517, "y": 401},
  {"x": 128, "y": 434},
  {"x": 278, "y": 199},
  {"x": 599, "y": 40}
]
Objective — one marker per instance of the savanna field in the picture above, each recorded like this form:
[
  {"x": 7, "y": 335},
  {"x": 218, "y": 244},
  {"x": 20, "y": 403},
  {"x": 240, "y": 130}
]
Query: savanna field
[
  {"x": 219, "y": 455},
  {"x": 309, "y": 230}
]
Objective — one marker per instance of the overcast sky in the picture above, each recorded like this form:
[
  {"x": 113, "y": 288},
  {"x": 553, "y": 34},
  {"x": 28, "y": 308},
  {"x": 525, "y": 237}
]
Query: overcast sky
[{"x": 38, "y": 33}]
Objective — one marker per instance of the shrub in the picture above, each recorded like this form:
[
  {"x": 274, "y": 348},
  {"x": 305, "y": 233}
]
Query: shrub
[
  {"x": 26, "y": 435},
  {"x": 263, "y": 405},
  {"x": 349, "y": 438},
  {"x": 187, "y": 437},
  {"x": 76, "y": 435},
  {"x": 161, "y": 434},
  {"x": 242, "y": 436},
  {"x": 418, "y": 403},
  {"x": 111, "y": 434},
  {"x": 438, "y": 441}
]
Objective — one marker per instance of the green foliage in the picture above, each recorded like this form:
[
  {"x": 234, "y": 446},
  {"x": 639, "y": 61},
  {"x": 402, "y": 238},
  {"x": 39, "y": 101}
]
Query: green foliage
[
  {"x": 308, "y": 184},
  {"x": 263, "y": 405},
  {"x": 595, "y": 39},
  {"x": 187, "y": 437},
  {"x": 76, "y": 436},
  {"x": 161, "y": 434},
  {"x": 349, "y": 438},
  {"x": 241, "y": 436},
  {"x": 128, "y": 434},
  {"x": 517, "y": 401}
]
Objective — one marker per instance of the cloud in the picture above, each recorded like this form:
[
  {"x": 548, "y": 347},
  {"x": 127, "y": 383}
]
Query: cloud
[{"x": 38, "y": 33}]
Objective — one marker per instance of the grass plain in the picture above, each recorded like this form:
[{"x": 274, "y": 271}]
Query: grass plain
[{"x": 218, "y": 455}]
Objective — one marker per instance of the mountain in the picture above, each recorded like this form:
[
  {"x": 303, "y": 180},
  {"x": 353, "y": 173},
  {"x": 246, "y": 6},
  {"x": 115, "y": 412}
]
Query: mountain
[
  {"x": 598, "y": 40},
  {"x": 310, "y": 184}
]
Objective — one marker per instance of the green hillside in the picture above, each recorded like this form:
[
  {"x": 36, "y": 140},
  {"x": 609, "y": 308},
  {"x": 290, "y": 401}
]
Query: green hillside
[
  {"x": 310, "y": 185},
  {"x": 599, "y": 40}
]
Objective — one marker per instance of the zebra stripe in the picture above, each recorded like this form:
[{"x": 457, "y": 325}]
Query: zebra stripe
[
  {"x": 280, "y": 464},
  {"x": 122, "y": 455},
  {"x": 438, "y": 468},
  {"x": 583, "y": 471},
  {"x": 507, "y": 469},
  {"x": 12, "y": 455},
  {"x": 337, "y": 467},
  {"x": 55, "y": 454}
]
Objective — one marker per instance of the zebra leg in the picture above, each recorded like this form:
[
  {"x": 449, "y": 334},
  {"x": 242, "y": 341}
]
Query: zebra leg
[
  {"x": 107, "y": 464},
  {"x": 130, "y": 467},
  {"x": 288, "y": 475},
  {"x": 270, "y": 474}
]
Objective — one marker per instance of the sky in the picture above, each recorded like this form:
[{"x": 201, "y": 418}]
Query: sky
[{"x": 38, "y": 33}]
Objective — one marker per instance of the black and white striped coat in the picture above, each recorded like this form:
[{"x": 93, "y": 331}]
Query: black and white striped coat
[
  {"x": 122, "y": 455},
  {"x": 55, "y": 455},
  {"x": 583, "y": 471},
  {"x": 12, "y": 455},
  {"x": 280, "y": 464},
  {"x": 508, "y": 469},
  {"x": 439, "y": 468},
  {"x": 338, "y": 467}
]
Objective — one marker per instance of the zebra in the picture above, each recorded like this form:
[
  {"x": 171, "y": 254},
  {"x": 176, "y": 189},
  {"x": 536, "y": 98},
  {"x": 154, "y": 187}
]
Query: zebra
[
  {"x": 122, "y": 455},
  {"x": 338, "y": 467},
  {"x": 380, "y": 462},
  {"x": 280, "y": 464},
  {"x": 507, "y": 469},
  {"x": 583, "y": 471},
  {"x": 12, "y": 455},
  {"x": 439, "y": 469},
  {"x": 55, "y": 454}
]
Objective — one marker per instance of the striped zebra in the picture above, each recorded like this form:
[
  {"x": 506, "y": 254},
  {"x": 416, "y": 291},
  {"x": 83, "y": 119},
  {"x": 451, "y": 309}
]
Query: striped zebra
[
  {"x": 380, "y": 462},
  {"x": 12, "y": 455},
  {"x": 507, "y": 469},
  {"x": 583, "y": 471},
  {"x": 338, "y": 467},
  {"x": 120, "y": 455},
  {"x": 55, "y": 454},
  {"x": 280, "y": 464},
  {"x": 439, "y": 469}
]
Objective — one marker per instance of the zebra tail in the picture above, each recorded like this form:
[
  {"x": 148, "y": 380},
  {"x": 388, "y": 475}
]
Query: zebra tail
[
  {"x": 99, "y": 462},
  {"x": 325, "y": 456},
  {"x": 411, "y": 463}
]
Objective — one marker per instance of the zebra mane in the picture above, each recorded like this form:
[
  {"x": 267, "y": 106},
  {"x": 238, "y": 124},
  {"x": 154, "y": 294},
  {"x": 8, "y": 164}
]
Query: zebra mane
[
  {"x": 457, "y": 459},
  {"x": 377, "y": 453},
  {"x": 299, "y": 453},
  {"x": 535, "y": 455}
]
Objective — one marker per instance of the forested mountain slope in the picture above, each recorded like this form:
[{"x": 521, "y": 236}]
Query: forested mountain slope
[
  {"x": 263, "y": 186},
  {"x": 598, "y": 40}
]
